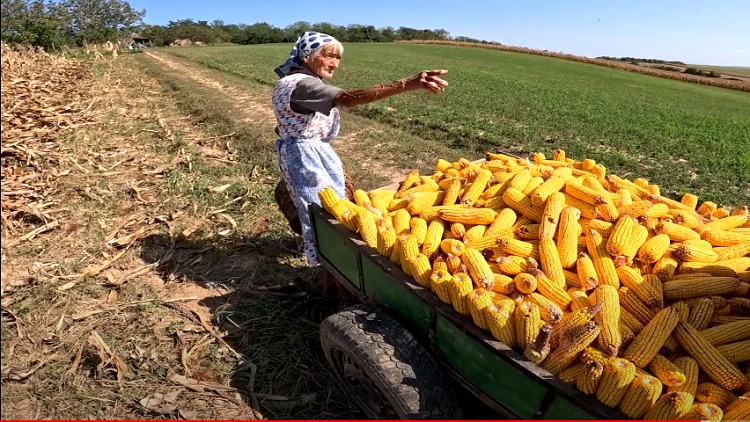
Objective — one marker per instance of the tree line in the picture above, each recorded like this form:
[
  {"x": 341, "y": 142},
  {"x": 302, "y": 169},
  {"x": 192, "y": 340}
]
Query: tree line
[{"x": 55, "y": 23}]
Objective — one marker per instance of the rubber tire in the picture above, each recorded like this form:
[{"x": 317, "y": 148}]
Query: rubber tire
[{"x": 401, "y": 369}]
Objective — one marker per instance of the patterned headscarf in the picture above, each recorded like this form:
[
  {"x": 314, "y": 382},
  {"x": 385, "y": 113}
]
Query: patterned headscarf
[{"x": 306, "y": 44}]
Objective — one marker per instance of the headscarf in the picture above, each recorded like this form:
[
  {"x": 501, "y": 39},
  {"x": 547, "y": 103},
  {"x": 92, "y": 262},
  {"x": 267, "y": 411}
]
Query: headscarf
[{"x": 306, "y": 44}]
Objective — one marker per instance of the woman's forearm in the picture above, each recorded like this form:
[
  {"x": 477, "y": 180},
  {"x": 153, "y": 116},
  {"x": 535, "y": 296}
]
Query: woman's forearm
[{"x": 355, "y": 97}]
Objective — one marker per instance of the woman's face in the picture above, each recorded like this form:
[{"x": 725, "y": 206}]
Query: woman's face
[{"x": 325, "y": 62}]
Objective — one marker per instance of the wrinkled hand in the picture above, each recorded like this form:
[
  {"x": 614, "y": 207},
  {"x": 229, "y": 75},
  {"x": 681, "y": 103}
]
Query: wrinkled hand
[{"x": 429, "y": 80}]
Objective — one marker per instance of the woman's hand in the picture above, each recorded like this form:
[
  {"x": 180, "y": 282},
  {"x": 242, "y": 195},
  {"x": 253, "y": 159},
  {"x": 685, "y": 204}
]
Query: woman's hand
[{"x": 429, "y": 80}]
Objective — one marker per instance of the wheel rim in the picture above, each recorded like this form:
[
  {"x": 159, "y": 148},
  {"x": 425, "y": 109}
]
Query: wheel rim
[{"x": 359, "y": 383}]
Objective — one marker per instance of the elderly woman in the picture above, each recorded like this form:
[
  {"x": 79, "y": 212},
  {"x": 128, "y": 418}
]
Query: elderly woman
[{"x": 307, "y": 117}]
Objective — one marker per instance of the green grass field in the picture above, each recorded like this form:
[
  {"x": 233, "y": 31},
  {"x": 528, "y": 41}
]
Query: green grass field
[{"x": 684, "y": 137}]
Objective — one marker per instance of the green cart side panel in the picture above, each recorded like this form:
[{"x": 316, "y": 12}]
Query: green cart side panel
[
  {"x": 487, "y": 371},
  {"x": 336, "y": 249},
  {"x": 383, "y": 288},
  {"x": 562, "y": 409}
]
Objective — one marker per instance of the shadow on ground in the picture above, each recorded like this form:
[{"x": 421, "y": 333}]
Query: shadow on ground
[{"x": 269, "y": 312}]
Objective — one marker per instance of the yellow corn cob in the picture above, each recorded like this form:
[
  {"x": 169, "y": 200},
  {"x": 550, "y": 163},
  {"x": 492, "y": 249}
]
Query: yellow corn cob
[
  {"x": 727, "y": 333},
  {"x": 689, "y": 200},
  {"x": 654, "y": 248},
  {"x": 361, "y": 198},
  {"x": 677, "y": 232},
  {"x": 451, "y": 192},
  {"x": 633, "y": 280},
  {"x": 528, "y": 231},
  {"x": 579, "y": 299},
  {"x": 692, "y": 253},
  {"x": 501, "y": 325},
  {"x": 572, "y": 280},
  {"x": 708, "y": 392},
  {"x": 478, "y": 268},
  {"x": 461, "y": 286},
  {"x": 550, "y": 289},
  {"x": 548, "y": 310},
  {"x": 616, "y": 378},
  {"x": 525, "y": 283},
  {"x": 569, "y": 348},
  {"x": 715, "y": 364},
  {"x": 724, "y": 268},
  {"x": 589, "y": 379},
  {"x": 591, "y": 196},
  {"x": 328, "y": 199},
  {"x": 521, "y": 203},
  {"x": 401, "y": 222},
  {"x": 551, "y": 215},
  {"x": 728, "y": 223},
  {"x": 421, "y": 269},
  {"x": 657, "y": 211},
  {"x": 433, "y": 237},
  {"x": 570, "y": 374},
  {"x": 635, "y": 306},
  {"x": 418, "y": 228},
  {"x": 571, "y": 322},
  {"x": 740, "y": 305},
  {"x": 533, "y": 185},
  {"x": 605, "y": 267},
  {"x": 738, "y": 410},
  {"x": 568, "y": 233},
  {"x": 475, "y": 232},
  {"x": 707, "y": 208},
  {"x": 640, "y": 396},
  {"x": 386, "y": 239},
  {"x": 667, "y": 372},
  {"x": 732, "y": 252},
  {"x": 689, "y": 367},
  {"x": 636, "y": 209},
  {"x": 520, "y": 180},
  {"x": 428, "y": 180},
  {"x": 542, "y": 193},
  {"x": 736, "y": 352},
  {"x": 599, "y": 171},
  {"x": 586, "y": 271},
  {"x": 527, "y": 323},
  {"x": 440, "y": 281},
  {"x": 627, "y": 319},
  {"x": 468, "y": 215},
  {"x": 689, "y": 219},
  {"x": 367, "y": 228},
  {"x": 442, "y": 165},
  {"x": 669, "y": 406},
  {"x": 474, "y": 191},
  {"x": 657, "y": 287},
  {"x": 701, "y": 314},
  {"x": 503, "y": 284},
  {"x": 550, "y": 261},
  {"x": 687, "y": 288},
  {"x": 511, "y": 265},
  {"x": 421, "y": 202},
  {"x": 704, "y": 412},
  {"x": 665, "y": 267},
  {"x": 724, "y": 237},
  {"x": 608, "y": 318},
  {"x": 453, "y": 246},
  {"x": 478, "y": 300},
  {"x": 458, "y": 230},
  {"x": 411, "y": 179},
  {"x": 510, "y": 246},
  {"x": 587, "y": 210},
  {"x": 647, "y": 343},
  {"x": 453, "y": 263},
  {"x": 503, "y": 222},
  {"x": 397, "y": 204}
]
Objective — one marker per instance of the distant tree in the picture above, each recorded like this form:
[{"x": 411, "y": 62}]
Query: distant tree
[{"x": 99, "y": 20}]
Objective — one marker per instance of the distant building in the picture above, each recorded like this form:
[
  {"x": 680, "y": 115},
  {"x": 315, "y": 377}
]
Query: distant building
[{"x": 139, "y": 41}]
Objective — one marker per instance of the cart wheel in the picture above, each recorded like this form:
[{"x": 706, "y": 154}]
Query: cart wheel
[{"x": 383, "y": 368}]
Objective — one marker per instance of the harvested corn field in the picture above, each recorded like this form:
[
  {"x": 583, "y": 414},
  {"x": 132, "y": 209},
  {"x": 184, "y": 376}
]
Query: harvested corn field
[{"x": 144, "y": 273}]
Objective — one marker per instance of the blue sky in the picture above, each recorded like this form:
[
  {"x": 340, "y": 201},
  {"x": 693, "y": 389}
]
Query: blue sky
[{"x": 692, "y": 31}]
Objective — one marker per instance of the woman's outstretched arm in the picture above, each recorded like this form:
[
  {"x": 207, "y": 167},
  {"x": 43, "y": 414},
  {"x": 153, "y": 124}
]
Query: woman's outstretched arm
[{"x": 429, "y": 80}]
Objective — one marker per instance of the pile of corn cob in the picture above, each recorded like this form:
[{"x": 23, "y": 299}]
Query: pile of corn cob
[{"x": 638, "y": 300}]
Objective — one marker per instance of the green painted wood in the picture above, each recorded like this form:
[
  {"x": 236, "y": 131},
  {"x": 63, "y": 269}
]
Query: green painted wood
[
  {"x": 337, "y": 249},
  {"x": 562, "y": 409},
  {"x": 488, "y": 371},
  {"x": 383, "y": 288}
]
